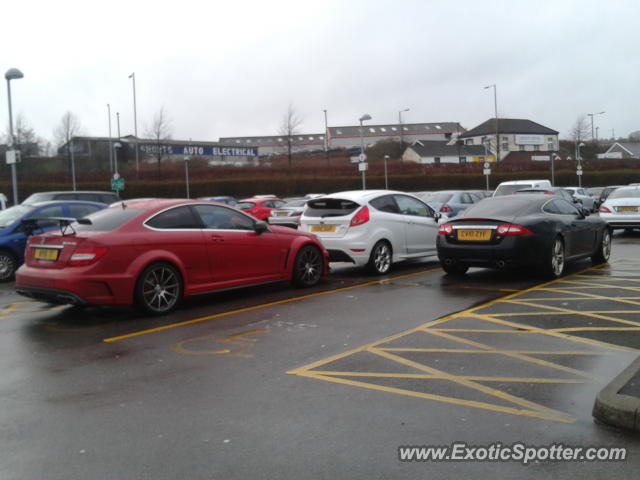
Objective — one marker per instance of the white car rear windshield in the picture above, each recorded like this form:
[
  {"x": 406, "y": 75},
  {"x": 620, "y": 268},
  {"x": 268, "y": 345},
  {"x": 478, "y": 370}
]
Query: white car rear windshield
[
  {"x": 509, "y": 189},
  {"x": 330, "y": 207}
]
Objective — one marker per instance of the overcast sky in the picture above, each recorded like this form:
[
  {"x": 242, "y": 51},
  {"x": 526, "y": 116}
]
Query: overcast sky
[{"x": 224, "y": 68}]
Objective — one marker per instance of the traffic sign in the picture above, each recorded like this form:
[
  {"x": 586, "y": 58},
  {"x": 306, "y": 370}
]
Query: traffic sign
[
  {"x": 117, "y": 184},
  {"x": 579, "y": 173},
  {"x": 13, "y": 156},
  {"x": 486, "y": 171},
  {"x": 363, "y": 166},
  {"x": 487, "y": 165},
  {"x": 362, "y": 157}
]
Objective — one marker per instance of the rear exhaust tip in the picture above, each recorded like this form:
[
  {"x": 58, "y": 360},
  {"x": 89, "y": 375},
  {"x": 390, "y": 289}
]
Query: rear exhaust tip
[
  {"x": 500, "y": 264},
  {"x": 448, "y": 261}
]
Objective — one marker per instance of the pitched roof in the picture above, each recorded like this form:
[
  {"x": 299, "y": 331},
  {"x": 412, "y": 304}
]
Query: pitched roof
[
  {"x": 508, "y": 125},
  {"x": 393, "y": 129},
  {"x": 444, "y": 149},
  {"x": 632, "y": 147}
]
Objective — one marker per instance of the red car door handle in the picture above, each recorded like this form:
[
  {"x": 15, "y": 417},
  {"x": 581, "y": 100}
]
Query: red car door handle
[{"x": 217, "y": 238}]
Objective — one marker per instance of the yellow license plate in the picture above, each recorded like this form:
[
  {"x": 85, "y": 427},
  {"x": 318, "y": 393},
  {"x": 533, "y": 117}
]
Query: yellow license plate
[
  {"x": 323, "y": 228},
  {"x": 46, "y": 254},
  {"x": 281, "y": 214},
  {"x": 474, "y": 235},
  {"x": 627, "y": 209}
]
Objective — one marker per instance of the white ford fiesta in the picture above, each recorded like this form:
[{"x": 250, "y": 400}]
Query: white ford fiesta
[{"x": 372, "y": 228}]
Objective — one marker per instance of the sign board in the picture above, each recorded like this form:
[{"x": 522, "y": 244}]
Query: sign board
[
  {"x": 487, "y": 165},
  {"x": 362, "y": 157},
  {"x": 363, "y": 166},
  {"x": 529, "y": 139},
  {"x": 13, "y": 156},
  {"x": 486, "y": 171},
  {"x": 540, "y": 158},
  {"x": 484, "y": 158},
  {"x": 354, "y": 159},
  {"x": 117, "y": 184},
  {"x": 191, "y": 150}
]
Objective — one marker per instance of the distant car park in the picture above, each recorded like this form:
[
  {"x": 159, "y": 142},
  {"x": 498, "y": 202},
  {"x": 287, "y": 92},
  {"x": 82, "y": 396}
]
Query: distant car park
[
  {"x": 587, "y": 201},
  {"x": 289, "y": 214}
]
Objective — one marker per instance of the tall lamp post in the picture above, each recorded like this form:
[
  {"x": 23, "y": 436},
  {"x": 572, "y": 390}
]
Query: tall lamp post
[
  {"x": 495, "y": 106},
  {"x": 554, "y": 157},
  {"x": 135, "y": 119},
  {"x": 12, "y": 74},
  {"x": 363, "y": 157},
  {"x": 579, "y": 166},
  {"x": 401, "y": 132},
  {"x": 186, "y": 174},
  {"x": 326, "y": 136},
  {"x": 110, "y": 146},
  {"x": 386, "y": 181},
  {"x": 592, "y": 115}
]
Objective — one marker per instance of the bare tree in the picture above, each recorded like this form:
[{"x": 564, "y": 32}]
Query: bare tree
[
  {"x": 68, "y": 128},
  {"x": 581, "y": 129},
  {"x": 159, "y": 131},
  {"x": 291, "y": 121},
  {"x": 26, "y": 140}
]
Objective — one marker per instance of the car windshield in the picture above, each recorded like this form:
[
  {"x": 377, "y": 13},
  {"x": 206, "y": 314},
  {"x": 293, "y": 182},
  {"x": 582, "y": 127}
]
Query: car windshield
[
  {"x": 12, "y": 214},
  {"x": 509, "y": 189},
  {"x": 107, "y": 219},
  {"x": 296, "y": 203},
  {"x": 625, "y": 193},
  {"x": 438, "y": 197}
]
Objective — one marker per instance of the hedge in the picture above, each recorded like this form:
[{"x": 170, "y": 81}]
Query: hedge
[{"x": 285, "y": 186}]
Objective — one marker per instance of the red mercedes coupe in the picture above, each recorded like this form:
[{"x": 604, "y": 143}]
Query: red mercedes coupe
[{"x": 153, "y": 253}]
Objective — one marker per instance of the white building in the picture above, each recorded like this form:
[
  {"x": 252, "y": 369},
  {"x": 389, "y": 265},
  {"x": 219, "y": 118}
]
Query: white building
[
  {"x": 516, "y": 135},
  {"x": 437, "y": 153}
]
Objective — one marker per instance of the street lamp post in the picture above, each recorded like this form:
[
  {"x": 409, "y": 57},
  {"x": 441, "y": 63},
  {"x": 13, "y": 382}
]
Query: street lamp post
[
  {"x": 553, "y": 174},
  {"x": 401, "y": 132},
  {"x": 386, "y": 181},
  {"x": 486, "y": 142},
  {"x": 579, "y": 166},
  {"x": 495, "y": 106},
  {"x": 12, "y": 74},
  {"x": 326, "y": 136},
  {"x": 363, "y": 157},
  {"x": 186, "y": 174},
  {"x": 592, "y": 115},
  {"x": 110, "y": 146},
  {"x": 116, "y": 146},
  {"x": 73, "y": 165},
  {"x": 135, "y": 119}
]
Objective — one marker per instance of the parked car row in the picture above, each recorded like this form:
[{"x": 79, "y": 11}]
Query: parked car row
[{"x": 153, "y": 253}]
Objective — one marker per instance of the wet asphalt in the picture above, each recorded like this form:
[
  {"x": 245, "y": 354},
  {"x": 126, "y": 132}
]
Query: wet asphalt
[{"x": 274, "y": 382}]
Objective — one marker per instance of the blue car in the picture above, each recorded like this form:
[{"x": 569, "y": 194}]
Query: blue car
[{"x": 14, "y": 234}]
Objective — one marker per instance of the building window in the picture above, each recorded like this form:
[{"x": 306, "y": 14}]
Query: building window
[
  {"x": 436, "y": 160},
  {"x": 522, "y": 148},
  {"x": 550, "y": 146},
  {"x": 468, "y": 141},
  {"x": 505, "y": 146},
  {"x": 463, "y": 159},
  {"x": 536, "y": 148},
  {"x": 550, "y": 139}
]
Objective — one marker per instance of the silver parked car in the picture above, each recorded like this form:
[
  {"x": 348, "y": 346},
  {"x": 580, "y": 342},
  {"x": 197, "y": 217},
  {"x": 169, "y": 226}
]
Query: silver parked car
[{"x": 288, "y": 215}]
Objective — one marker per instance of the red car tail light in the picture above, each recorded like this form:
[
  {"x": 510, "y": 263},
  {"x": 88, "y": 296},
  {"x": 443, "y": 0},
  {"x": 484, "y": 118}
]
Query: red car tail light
[
  {"x": 445, "y": 209},
  {"x": 604, "y": 209},
  {"x": 296, "y": 214},
  {"x": 86, "y": 256},
  {"x": 361, "y": 217},
  {"x": 445, "y": 229},
  {"x": 512, "y": 230}
]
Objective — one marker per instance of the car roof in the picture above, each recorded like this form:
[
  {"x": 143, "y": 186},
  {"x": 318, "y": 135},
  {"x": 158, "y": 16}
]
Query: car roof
[
  {"x": 520, "y": 182},
  {"x": 260, "y": 199},
  {"x": 65, "y": 202},
  {"x": 362, "y": 195},
  {"x": 152, "y": 203}
]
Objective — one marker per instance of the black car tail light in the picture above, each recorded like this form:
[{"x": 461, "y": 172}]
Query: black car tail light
[
  {"x": 510, "y": 229},
  {"x": 604, "y": 209},
  {"x": 86, "y": 256}
]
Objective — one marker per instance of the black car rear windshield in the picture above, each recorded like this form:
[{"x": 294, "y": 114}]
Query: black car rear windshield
[
  {"x": 509, "y": 189},
  {"x": 107, "y": 219},
  {"x": 330, "y": 207},
  {"x": 498, "y": 208}
]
